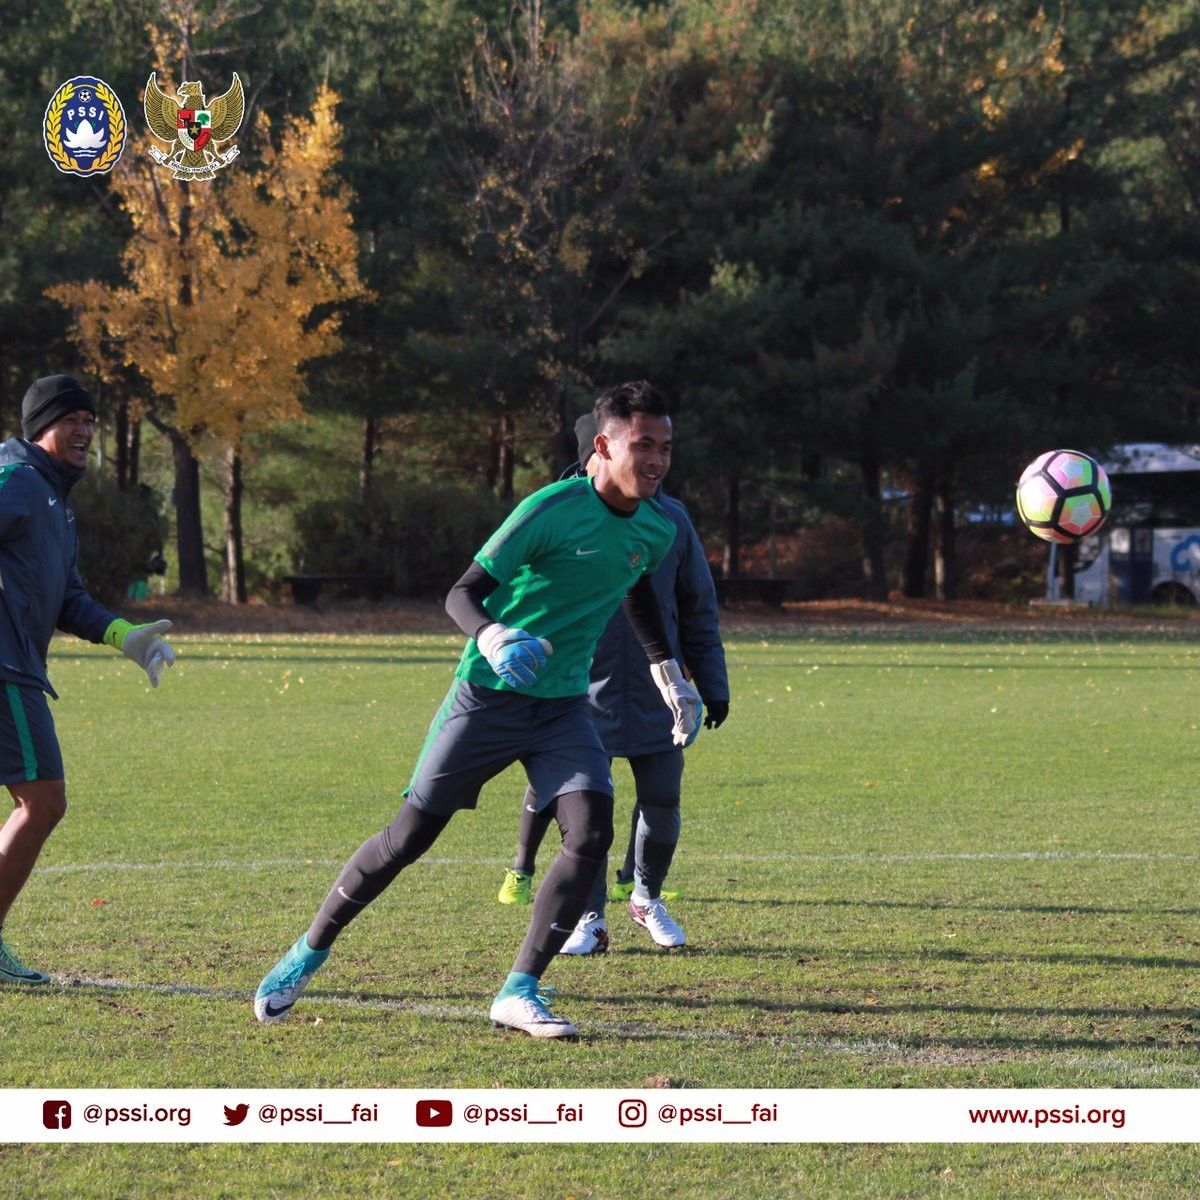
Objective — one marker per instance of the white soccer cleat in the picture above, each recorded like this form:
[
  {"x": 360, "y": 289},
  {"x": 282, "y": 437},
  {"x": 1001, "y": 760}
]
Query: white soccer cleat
[
  {"x": 590, "y": 936},
  {"x": 530, "y": 1015},
  {"x": 652, "y": 916}
]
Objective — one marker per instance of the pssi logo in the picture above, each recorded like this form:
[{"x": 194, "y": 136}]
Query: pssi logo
[{"x": 84, "y": 127}]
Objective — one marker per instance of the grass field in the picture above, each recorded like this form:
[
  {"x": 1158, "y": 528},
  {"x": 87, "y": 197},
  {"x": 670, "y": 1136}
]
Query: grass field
[{"x": 910, "y": 859}]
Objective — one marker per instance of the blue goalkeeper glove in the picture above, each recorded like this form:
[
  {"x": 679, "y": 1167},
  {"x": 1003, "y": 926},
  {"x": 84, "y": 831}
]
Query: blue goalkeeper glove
[{"x": 513, "y": 654}]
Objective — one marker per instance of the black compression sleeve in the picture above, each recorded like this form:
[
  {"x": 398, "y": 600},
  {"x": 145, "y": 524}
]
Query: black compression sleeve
[
  {"x": 464, "y": 601},
  {"x": 641, "y": 607}
]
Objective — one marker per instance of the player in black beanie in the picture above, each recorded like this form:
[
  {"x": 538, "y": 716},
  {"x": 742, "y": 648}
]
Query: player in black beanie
[
  {"x": 43, "y": 591},
  {"x": 49, "y": 400}
]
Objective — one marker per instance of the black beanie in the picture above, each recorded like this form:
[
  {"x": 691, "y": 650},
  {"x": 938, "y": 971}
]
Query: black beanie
[
  {"x": 585, "y": 434},
  {"x": 49, "y": 400}
]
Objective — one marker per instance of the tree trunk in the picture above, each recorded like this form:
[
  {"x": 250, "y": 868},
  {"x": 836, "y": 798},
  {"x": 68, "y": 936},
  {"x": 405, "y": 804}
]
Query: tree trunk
[
  {"x": 366, "y": 468},
  {"x": 189, "y": 527},
  {"x": 920, "y": 516},
  {"x": 565, "y": 449},
  {"x": 189, "y": 531},
  {"x": 772, "y": 541},
  {"x": 135, "y": 453},
  {"x": 235, "y": 565},
  {"x": 508, "y": 455},
  {"x": 733, "y": 530},
  {"x": 945, "y": 569},
  {"x": 121, "y": 437},
  {"x": 100, "y": 442},
  {"x": 1066, "y": 558},
  {"x": 874, "y": 572},
  {"x": 492, "y": 473}
]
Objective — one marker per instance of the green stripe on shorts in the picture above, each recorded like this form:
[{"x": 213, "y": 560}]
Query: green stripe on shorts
[
  {"x": 22, "y": 725},
  {"x": 438, "y": 721}
]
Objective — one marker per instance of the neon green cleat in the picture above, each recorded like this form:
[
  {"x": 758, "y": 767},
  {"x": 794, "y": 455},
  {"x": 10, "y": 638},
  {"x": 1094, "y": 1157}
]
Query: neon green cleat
[
  {"x": 517, "y": 888},
  {"x": 623, "y": 890},
  {"x": 620, "y": 890},
  {"x": 13, "y": 970}
]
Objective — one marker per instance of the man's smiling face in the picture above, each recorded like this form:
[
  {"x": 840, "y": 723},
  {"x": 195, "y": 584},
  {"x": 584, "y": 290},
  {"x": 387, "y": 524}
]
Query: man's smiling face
[
  {"x": 69, "y": 438},
  {"x": 635, "y": 458}
]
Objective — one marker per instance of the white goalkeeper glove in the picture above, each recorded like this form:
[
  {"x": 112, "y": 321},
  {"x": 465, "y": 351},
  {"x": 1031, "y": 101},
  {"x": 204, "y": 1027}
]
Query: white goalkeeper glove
[
  {"x": 681, "y": 697},
  {"x": 513, "y": 654},
  {"x": 143, "y": 645}
]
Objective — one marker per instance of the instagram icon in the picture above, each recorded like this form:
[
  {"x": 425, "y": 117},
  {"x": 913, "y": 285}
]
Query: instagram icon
[{"x": 631, "y": 1114}]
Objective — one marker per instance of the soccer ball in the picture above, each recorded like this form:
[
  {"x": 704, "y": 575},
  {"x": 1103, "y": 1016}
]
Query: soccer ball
[{"x": 1063, "y": 496}]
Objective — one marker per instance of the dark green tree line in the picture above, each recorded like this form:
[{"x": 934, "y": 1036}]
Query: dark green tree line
[{"x": 880, "y": 251}]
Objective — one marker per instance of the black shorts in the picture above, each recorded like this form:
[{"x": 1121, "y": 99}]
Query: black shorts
[{"x": 28, "y": 744}]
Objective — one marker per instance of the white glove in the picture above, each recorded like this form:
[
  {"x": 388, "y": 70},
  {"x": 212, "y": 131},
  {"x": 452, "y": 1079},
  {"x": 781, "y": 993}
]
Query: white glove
[
  {"x": 681, "y": 697},
  {"x": 513, "y": 654},
  {"x": 144, "y": 646}
]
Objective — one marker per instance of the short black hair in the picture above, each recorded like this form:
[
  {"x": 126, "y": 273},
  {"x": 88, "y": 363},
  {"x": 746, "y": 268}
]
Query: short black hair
[{"x": 621, "y": 402}]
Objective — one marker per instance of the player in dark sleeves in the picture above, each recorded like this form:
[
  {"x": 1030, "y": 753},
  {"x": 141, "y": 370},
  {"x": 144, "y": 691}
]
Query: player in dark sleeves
[
  {"x": 532, "y": 605},
  {"x": 633, "y": 724},
  {"x": 40, "y": 590}
]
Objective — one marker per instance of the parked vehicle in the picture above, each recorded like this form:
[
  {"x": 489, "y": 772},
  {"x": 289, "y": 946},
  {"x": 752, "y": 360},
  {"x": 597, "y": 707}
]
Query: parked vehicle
[{"x": 1149, "y": 549}]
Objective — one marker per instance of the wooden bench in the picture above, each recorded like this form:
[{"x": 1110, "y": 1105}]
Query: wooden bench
[
  {"x": 306, "y": 589},
  {"x": 768, "y": 591}
]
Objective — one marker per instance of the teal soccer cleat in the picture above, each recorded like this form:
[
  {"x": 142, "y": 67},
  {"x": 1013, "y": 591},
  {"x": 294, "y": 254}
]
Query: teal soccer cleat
[
  {"x": 13, "y": 970},
  {"x": 285, "y": 982}
]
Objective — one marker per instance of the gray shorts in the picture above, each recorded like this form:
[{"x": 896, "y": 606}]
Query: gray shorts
[
  {"x": 479, "y": 731},
  {"x": 28, "y": 744}
]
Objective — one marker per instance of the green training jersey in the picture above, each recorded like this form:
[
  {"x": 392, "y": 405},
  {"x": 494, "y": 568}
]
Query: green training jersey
[{"x": 565, "y": 560}]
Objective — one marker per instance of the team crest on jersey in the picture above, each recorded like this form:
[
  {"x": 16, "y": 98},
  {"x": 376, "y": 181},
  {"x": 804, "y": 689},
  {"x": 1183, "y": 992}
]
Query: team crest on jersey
[
  {"x": 635, "y": 559},
  {"x": 84, "y": 127},
  {"x": 193, "y": 126}
]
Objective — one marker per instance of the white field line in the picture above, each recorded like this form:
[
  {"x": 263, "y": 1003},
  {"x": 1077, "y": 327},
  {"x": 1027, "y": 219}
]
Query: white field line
[
  {"x": 875, "y": 1048},
  {"x": 451, "y": 1012},
  {"x": 262, "y": 864}
]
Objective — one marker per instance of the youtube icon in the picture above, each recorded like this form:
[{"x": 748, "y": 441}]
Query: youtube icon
[{"x": 434, "y": 1114}]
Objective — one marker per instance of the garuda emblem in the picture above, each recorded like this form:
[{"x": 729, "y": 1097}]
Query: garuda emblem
[{"x": 193, "y": 127}]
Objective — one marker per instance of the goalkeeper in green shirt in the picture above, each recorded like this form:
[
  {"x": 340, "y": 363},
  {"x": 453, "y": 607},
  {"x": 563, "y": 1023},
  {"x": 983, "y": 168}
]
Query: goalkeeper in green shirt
[{"x": 532, "y": 604}]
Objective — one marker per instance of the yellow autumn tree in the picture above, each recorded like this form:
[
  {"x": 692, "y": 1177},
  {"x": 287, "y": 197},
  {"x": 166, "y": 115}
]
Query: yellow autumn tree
[{"x": 230, "y": 288}]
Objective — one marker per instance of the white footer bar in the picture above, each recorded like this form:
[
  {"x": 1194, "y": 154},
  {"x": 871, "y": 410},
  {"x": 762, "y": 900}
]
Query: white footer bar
[{"x": 599, "y": 1115}]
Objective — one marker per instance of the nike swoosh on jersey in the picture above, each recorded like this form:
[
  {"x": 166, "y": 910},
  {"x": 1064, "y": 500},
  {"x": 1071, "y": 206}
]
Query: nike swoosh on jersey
[
  {"x": 53, "y": 501},
  {"x": 581, "y": 553}
]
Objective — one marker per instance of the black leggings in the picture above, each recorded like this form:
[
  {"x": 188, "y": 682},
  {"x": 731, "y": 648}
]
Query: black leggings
[
  {"x": 586, "y": 822},
  {"x": 585, "y": 819}
]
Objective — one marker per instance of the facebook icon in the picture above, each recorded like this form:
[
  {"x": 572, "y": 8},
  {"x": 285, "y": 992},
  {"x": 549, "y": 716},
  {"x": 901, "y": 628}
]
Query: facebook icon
[{"x": 56, "y": 1114}]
